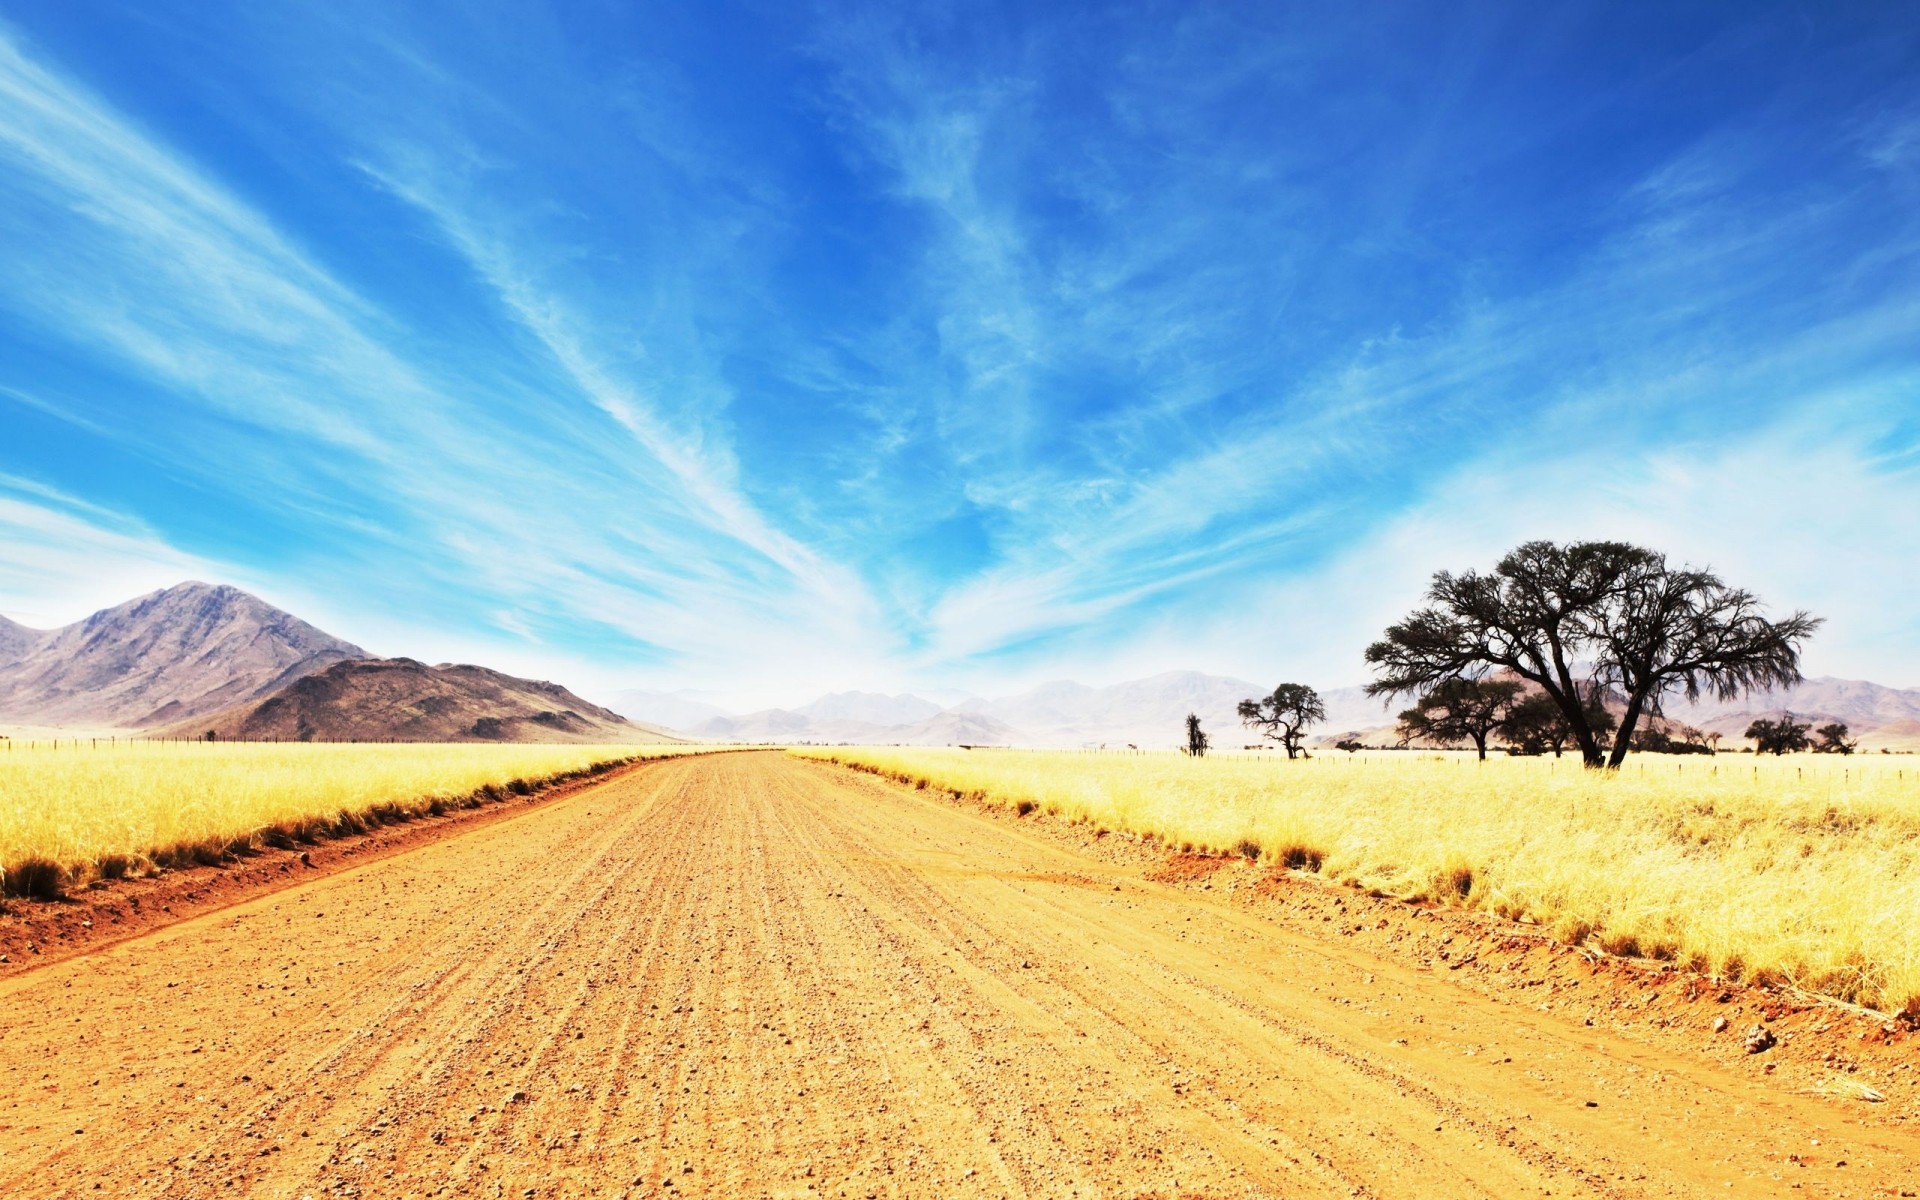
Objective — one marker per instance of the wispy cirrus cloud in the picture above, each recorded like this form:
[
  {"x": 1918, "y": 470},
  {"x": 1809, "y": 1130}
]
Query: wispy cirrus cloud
[
  {"x": 943, "y": 343},
  {"x": 195, "y": 293},
  {"x": 1230, "y": 447},
  {"x": 61, "y": 555}
]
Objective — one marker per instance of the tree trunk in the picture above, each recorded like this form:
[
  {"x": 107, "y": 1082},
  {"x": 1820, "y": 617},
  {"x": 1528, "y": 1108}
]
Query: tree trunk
[
  {"x": 1575, "y": 717},
  {"x": 1624, "y": 735},
  {"x": 1567, "y": 696},
  {"x": 1480, "y": 744}
]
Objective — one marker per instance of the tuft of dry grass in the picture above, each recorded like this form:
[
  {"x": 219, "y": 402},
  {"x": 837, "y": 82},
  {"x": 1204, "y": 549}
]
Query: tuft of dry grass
[
  {"x": 74, "y": 814},
  {"x": 1803, "y": 870}
]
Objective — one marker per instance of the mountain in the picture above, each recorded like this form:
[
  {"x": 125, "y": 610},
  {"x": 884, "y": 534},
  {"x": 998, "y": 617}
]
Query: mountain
[
  {"x": 1353, "y": 713},
  {"x": 873, "y": 708},
  {"x": 790, "y": 725},
  {"x": 1864, "y": 707},
  {"x": 174, "y": 654},
  {"x": 16, "y": 641},
  {"x": 952, "y": 728},
  {"x": 1144, "y": 712},
  {"x": 1149, "y": 712},
  {"x": 949, "y": 728},
  {"x": 673, "y": 710},
  {"x": 398, "y": 699}
]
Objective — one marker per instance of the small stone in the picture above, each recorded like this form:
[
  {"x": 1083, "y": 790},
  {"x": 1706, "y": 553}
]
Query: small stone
[
  {"x": 1759, "y": 1039},
  {"x": 1719, "y": 1024}
]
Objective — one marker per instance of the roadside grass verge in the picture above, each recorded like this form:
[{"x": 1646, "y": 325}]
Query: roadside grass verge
[
  {"x": 72, "y": 815},
  {"x": 1803, "y": 870}
]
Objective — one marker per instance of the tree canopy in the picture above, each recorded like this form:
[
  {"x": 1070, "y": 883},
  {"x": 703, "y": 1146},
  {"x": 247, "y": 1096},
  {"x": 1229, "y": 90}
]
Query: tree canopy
[
  {"x": 1783, "y": 736},
  {"x": 1285, "y": 715},
  {"x": 1642, "y": 628},
  {"x": 1461, "y": 710},
  {"x": 1834, "y": 739}
]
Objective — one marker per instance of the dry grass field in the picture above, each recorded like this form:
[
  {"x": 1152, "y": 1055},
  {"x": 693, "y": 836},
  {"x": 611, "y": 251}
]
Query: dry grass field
[
  {"x": 75, "y": 813},
  {"x": 1803, "y": 869}
]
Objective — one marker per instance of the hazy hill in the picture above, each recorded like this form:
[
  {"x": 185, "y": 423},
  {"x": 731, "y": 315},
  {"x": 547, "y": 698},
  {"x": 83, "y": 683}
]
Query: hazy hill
[
  {"x": 673, "y": 710},
  {"x": 1149, "y": 712},
  {"x": 1352, "y": 713},
  {"x": 399, "y": 699},
  {"x": 789, "y": 725},
  {"x": 1145, "y": 712},
  {"x": 190, "y": 649},
  {"x": 1861, "y": 705},
  {"x": 873, "y": 708},
  {"x": 952, "y": 728}
]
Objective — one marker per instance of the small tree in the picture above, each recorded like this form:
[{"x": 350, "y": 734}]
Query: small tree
[
  {"x": 1197, "y": 739},
  {"x": 1349, "y": 745},
  {"x": 1682, "y": 739},
  {"x": 1778, "y": 737},
  {"x": 1285, "y": 715},
  {"x": 1534, "y": 725},
  {"x": 1460, "y": 710},
  {"x": 1834, "y": 740}
]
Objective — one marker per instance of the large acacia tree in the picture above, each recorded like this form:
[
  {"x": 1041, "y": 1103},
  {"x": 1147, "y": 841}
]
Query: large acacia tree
[{"x": 1643, "y": 629}]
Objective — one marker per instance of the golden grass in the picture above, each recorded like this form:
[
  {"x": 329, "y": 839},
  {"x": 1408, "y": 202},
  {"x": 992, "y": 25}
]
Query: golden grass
[
  {"x": 1804, "y": 870},
  {"x": 76, "y": 813}
]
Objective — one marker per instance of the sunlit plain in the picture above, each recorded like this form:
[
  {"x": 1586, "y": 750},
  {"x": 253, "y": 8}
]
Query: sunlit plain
[
  {"x": 122, "y": 809},
  {"x": 1804, "y": 869}
]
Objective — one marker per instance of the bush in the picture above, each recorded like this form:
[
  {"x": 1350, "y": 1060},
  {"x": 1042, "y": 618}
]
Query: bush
[{"x": 33, "y": 878}]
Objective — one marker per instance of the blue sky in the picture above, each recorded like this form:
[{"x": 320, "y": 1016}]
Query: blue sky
[{"x": 773, "y": 349}]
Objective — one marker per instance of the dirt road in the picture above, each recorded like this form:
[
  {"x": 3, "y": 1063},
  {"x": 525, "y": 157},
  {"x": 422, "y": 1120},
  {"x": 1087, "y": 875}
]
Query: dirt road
[{"x": 749, "y": 976}]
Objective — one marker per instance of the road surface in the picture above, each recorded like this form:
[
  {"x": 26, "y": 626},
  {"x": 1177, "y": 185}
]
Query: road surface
[{"x": 745, "y": 975}]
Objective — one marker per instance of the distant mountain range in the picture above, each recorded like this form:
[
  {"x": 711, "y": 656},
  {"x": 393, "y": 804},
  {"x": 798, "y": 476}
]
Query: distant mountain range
[
  {"x": 1147, "y": 712},
  {"x": 1878, "y": 716},
  {"x": 197, "y": 658},
  {"x": 1151, "y": 713},
  {"x": 673, "y": 710}
]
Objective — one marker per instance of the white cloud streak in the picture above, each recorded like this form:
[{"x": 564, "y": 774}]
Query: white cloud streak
[{"x": 191, "y": 289}]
